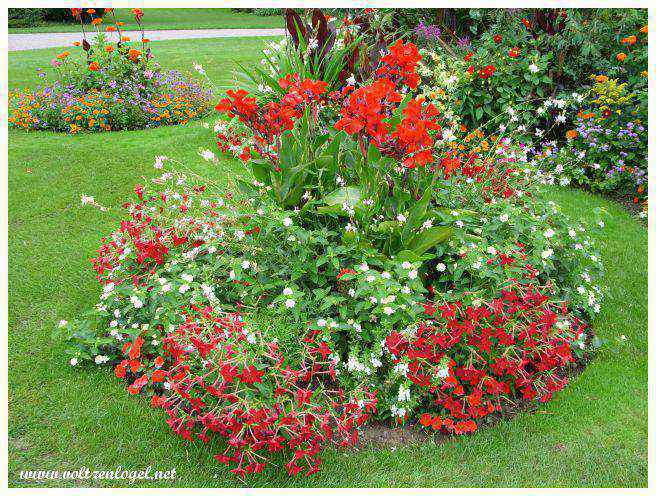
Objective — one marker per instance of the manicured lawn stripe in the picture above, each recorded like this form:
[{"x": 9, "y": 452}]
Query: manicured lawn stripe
[{"x": 172, "y": 18}]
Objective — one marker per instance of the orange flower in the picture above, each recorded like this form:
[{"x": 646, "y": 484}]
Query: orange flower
[
  {"x": 621, "y": 56},
  {"x": 601, "y": 78},
  {"x": 629, "y": 40},
  {"x": 63, "y": 55},
  {"x": 94, "y": 66},
  {"x": 110, "y": 29},
  {"x": 97, "y": 21},
  {"x": 125, "y": 38},
  {"x": 643, "y": 29},
  {"x": 146, "y": 40},
  {"x": 76, "y": 43},
  {"x": 91, "y": 11},
  {"x": 120, "y": 23},
  {"x": 133, "y": 54},
  {"x": 643, "y": 73},
  {"x": 109, "y": 48},
  {"x": 572, "y": 134}
]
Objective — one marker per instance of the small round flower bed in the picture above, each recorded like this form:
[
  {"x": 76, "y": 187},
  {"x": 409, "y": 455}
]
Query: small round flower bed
[
  {"x": 114, "y": 84},
  {"x": 412, "y": 275}
]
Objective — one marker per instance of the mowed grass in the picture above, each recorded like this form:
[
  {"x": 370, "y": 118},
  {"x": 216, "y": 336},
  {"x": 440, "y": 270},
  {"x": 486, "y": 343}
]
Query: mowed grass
[
  {"x": 173, "y": 18},
  {"x": 594, "y": 433}
]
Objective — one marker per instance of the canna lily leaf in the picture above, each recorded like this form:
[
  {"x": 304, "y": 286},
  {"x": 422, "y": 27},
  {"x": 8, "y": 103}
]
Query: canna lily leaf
[
  {"x": 425, "y": 240},
  {"x": 349, "y": 195}
]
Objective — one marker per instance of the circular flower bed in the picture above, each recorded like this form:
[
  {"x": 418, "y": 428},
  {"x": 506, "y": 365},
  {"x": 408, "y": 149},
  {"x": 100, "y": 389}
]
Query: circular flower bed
[
  {"x": 114, "y": 84},
  {"x": 374, "y": 264}
]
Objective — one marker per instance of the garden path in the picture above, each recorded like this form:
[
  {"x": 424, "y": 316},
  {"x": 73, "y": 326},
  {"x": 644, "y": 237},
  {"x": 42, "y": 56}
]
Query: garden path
[{"x": 31, "y": 41}]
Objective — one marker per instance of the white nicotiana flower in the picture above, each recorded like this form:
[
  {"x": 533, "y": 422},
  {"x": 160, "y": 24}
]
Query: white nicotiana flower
[
  {"x": 363, "y": 267},
  {"x": 504, "y": 217},
  {"x": 406, "y": 265},
  {"x": 412, "y": 274},
  {"x": 533, "y": 68},
  {"x": 245, "y": 264},
  {"x": 184, "y": 288},
  {"x": 547, "y": 253},
  {"x": 100, "y": 359},
  {"x": 136, "y": 301},
  {"x": 187, "y": 277},
  {"x": 289, "y": 303},
  {"x": 385, "y": 275},
  {"x": 288, "y": 291},
  {"x": 321, "y": 323},
  {"x": 207, "y": 155},
  {"x": 62, "y": 323},
  {"x": 440, "y": 267},
  {"x": 403, "y": 394},
  {"x": 287, "y": 222},
  {"x": 73, "y": 361},
  {"x": 401, "y": 369},
  {"x": 159, "y": 161},
  {"x": 198, "y": 68},
  {"x": 401, "y": 218},
  {"x": 549, "y": 233}
]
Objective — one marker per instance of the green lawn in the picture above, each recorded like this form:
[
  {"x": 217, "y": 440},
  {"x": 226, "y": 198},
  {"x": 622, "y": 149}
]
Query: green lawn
[
  {"x": 593, "y": 434},
  {"x": 172, "y": 18}
]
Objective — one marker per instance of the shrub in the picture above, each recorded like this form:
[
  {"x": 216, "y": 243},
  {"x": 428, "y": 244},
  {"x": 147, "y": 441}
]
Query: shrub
[
  {"x": 580, "y": 40},
  {"x": 23, "y": 18},
  {"x": 606, "y": 145},
  {"x": 111, "y": 85}
]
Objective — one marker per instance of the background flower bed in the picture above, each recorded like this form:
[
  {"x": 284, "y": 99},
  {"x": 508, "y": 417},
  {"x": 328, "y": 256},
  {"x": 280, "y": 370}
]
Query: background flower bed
[
  {"x": 565, "y": 428},
  {"x": 108, "y": 85}
]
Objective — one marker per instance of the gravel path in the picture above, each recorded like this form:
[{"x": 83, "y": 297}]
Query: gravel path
[{"x": 31, "y": 41}]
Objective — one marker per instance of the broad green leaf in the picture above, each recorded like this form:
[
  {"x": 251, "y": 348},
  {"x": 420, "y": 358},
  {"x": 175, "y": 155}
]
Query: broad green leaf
[
  {"x": 349, "y": 195},
  {"x": 425, "y": 240}
]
